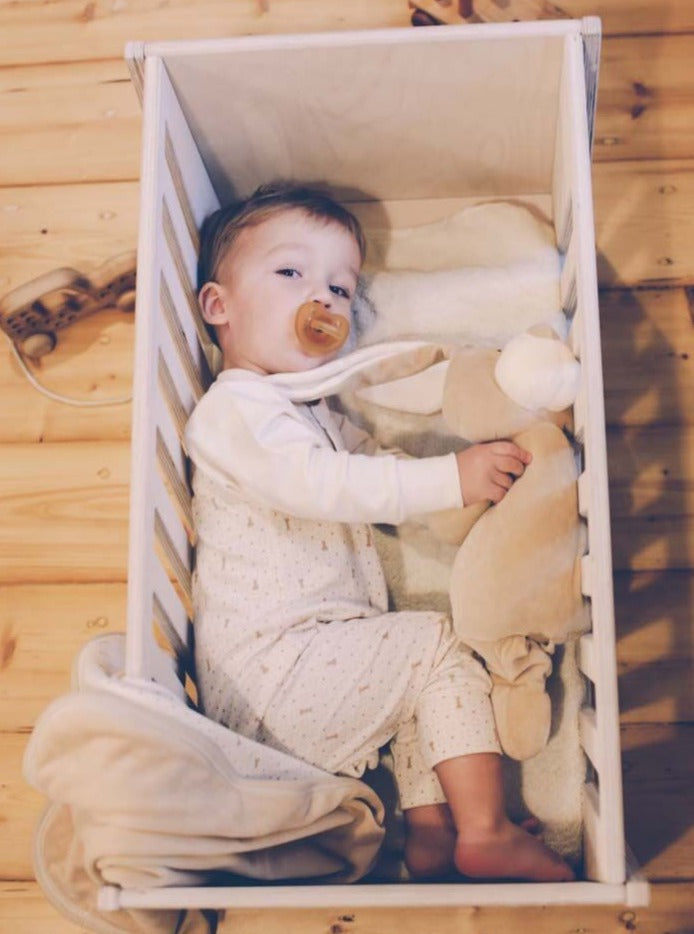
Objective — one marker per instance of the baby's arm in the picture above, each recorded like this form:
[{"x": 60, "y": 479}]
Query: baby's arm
[
  {"x": 256, "y": 444},
  {"x": 486, "y": 471}
]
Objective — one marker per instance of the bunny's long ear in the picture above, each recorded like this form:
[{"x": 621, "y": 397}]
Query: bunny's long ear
[{"x": 419, "y": 394}]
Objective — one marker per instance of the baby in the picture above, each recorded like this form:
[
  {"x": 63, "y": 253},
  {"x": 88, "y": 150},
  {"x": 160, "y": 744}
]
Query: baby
[{"x": 295, "y": 646}]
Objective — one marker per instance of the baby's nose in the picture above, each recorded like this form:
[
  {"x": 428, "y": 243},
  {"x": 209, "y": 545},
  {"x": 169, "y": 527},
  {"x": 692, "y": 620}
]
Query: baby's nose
[{"x": 321, "y": 293}]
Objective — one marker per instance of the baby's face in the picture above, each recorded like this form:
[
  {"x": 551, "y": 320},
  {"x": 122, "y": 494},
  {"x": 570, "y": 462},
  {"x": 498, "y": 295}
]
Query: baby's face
[{"x": 272, "y": 269}]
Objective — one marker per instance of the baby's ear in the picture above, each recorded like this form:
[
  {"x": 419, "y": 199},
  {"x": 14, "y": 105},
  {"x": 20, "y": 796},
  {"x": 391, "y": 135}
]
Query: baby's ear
[
  {"x": 212, "y": 304},
  {"x": 419, "y": 394}
]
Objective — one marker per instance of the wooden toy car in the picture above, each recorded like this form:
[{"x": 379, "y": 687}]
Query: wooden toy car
[
  {"x": 32, "y": 313},
  {"x": 440, "y": 12}
]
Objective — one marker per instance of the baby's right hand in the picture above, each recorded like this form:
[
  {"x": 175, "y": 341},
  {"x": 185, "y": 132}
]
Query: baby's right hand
[{"x": 487, "y": 471}]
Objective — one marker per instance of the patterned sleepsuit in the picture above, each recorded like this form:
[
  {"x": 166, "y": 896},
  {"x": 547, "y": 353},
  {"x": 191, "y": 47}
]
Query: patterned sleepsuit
[{"x": 294, "y": 644}]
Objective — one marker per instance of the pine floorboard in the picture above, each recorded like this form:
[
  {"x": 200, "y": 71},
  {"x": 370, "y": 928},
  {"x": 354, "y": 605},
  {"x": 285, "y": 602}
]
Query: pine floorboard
[{"x": 70, "y": 125}]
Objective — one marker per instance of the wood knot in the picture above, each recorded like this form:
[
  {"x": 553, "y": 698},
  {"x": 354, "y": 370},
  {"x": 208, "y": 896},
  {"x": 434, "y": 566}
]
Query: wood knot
[
  {"x": 88, "y": 11},
  {"x": 8, "y": 646},
  {"x": 641, "y": 90}
]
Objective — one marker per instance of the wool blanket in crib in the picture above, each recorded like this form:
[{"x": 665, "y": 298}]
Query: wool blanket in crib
[{"x": 144, "y": 791}]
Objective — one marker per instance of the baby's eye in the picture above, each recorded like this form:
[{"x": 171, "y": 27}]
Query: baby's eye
[
  {"x": 339, "y": 290},
  {"x": 288, "y": 272}
]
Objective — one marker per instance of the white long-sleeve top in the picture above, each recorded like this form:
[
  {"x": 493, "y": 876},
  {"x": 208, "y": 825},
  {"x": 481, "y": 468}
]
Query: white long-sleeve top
[{"x": 303, "y": 461}]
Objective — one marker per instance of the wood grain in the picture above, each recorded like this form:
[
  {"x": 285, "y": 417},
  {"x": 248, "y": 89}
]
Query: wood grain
[
  {"x": 651, "y": 472},
  {"x": 20, "y": 807},
  {"x": 80, "y": 121},
  {"x": 658, "y": 773},
  {"x": 648, "y": 356},
  {"x": 655, "y": 198},
  {"x": 64, "y": 512},
  {"x": 41, "y": 630},
  {"x": 70, "y": 123},
  {"x": 68, "y": 196},
  {"x": 646, "y": 94},
  {"x": 26, "y": 911},
  {"x": 655, "y": 646},
  {"x": 670, "y": 912},
  {"x": 75, "y": 30},
  {"x": 43, "y": 227},
  {"x": 91, "y": 362}
]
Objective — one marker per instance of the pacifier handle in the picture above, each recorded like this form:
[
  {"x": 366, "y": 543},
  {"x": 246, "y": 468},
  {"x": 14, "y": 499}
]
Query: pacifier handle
[{"x": 319, "y": 330}]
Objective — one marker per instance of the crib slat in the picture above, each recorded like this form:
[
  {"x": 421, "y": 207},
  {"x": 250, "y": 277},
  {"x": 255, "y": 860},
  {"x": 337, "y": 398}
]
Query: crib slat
[
  {"x": 173, "y": 622},
  {"x": 198, "y": 198},
  {"x": 170, "y": 396},
  {"x": 562, "y": 182},
  {"x": 171, "y": 536},
  {"x": 583, "y": 494},
  {"x": 587, "y": 575},
  {"x": 184, "y": 252},
  {"x": 568, "y": 294},
  {"x": 167, "y": 423},
  {"x": 586, "y": 656},
  {"x": 175, "y": 486},
  {"x": 179, "y": 185},
  {"x": 185, "y": 280},
  {"x": 176, "y": 613},
  {"x": 173, "y": 241},
  {"x": 580, "y": 413},
  {"x": 196, "y": 378},
  {"x": 593, "y": 849},
  {"x": 187, "y": 385},
  {"x": 588, "y": 731},
  {"x": 160, "y": 666}
]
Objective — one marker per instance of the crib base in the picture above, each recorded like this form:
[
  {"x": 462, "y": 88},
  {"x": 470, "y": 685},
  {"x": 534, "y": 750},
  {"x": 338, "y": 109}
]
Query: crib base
[{"x": 633, "y": 893}]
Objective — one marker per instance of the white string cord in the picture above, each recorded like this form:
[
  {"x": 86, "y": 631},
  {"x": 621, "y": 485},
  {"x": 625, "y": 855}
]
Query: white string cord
[{"x": 58, "y": 397}]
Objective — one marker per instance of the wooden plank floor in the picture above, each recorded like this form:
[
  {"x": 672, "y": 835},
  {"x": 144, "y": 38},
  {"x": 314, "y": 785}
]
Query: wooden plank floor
[{"x": 70, "y": 126}]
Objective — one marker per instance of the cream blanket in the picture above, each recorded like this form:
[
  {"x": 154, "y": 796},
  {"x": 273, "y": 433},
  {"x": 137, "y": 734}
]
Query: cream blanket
[{"x": 146, "y": 792}]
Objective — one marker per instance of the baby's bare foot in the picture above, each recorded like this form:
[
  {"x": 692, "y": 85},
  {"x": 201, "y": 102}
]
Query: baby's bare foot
[{"x": 508, "y": 852}]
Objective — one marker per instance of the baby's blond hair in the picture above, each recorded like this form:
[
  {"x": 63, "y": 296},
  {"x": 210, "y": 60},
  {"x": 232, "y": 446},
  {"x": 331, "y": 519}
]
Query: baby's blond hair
[{"x": 221, "y": 229}]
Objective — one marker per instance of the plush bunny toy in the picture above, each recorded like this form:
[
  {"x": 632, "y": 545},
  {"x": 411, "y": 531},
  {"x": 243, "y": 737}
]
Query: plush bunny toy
[{"x": 515, "y": 581}]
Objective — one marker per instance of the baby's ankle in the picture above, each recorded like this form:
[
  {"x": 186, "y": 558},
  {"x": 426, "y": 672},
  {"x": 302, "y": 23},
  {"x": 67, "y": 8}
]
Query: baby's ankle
[
  {"x": 429, "y": 853},
  {"x": 484, "y": 826}
]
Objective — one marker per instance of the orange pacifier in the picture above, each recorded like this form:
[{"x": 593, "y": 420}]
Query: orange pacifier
[{"x": 319, "y": 330}]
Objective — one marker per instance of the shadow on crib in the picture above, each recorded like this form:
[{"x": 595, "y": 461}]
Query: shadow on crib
[{"x": 645, "y": 336}]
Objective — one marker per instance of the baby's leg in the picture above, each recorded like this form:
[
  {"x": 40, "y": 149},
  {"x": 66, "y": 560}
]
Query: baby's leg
[
  {"x": 456, "y": 736},
  {"x": 488, "y": 844},
  {"x": 353, "y": 685}
]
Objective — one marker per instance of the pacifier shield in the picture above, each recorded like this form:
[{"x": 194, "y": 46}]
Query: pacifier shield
[{"x": 319, "y": 330}]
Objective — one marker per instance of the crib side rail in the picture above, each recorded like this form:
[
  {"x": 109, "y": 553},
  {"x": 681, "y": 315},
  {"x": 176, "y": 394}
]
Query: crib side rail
[
  {"x": 172, "y": 370},
  {"x": 599, "y": 721}
]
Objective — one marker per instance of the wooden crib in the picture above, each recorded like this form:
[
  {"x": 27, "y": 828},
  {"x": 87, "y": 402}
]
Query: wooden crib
[{"x": 418, "y": 118}]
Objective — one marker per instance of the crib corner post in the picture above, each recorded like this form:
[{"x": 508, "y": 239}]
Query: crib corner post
[{"x": 591, "y": 30}]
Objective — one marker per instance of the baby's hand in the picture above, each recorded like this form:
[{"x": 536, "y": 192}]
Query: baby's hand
[{"x": 487, "y": 471}]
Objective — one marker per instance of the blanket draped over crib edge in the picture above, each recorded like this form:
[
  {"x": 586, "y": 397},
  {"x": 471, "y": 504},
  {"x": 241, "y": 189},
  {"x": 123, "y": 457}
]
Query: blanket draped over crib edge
[{"x": 145, "y": 791}]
